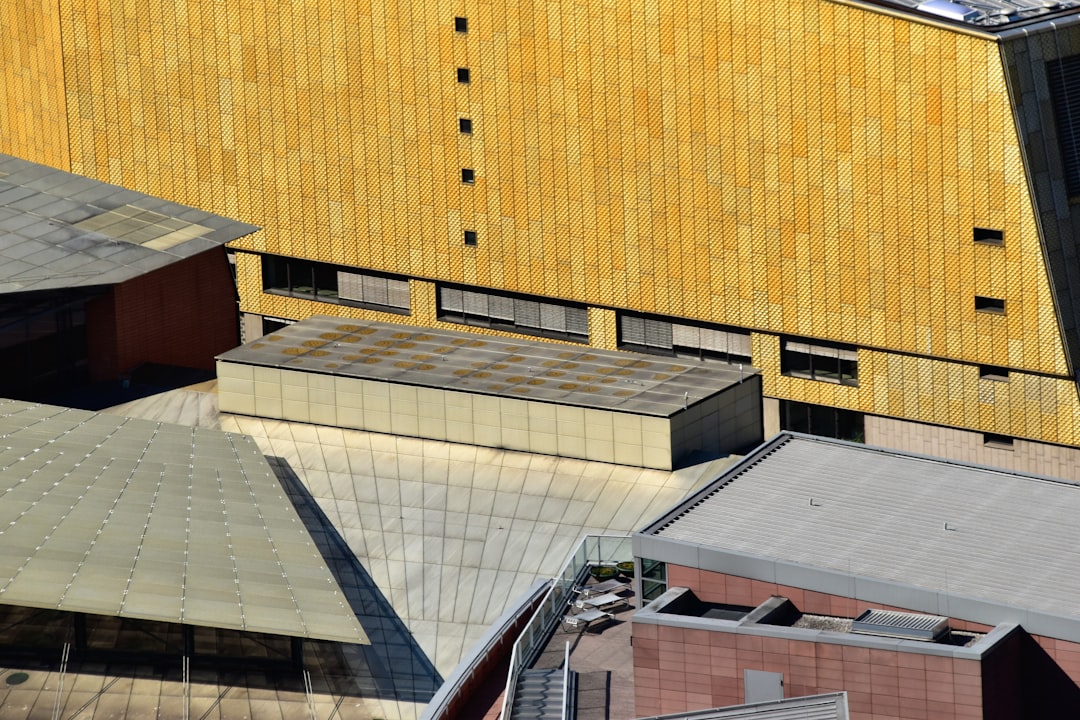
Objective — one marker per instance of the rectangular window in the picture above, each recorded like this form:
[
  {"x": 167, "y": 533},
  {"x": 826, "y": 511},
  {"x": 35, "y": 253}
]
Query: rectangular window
[
  {"x": 465, "y": 126},
  {"x": 822, "y": 420},
  {"x": 461, "y": 24},
  {"x": 665, "y": 336},
  {"x": 989, "y": 305},
  {"x": 470, "y": 238},
  {"x": 468, "y": 176},
  {"x": 985, "y": 236},
  {"x": 525, "y": 314},
  {"x": 817, "y": 360},
  {"x": 463, "y": 75},
  {"x": 653, "y": 579},
  {"x": 330, "y": 283}
]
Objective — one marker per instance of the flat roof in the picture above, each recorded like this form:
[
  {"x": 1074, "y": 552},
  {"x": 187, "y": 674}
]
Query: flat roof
[
  {"x": 921, "y": 532},
  {"x": 987, "y": 14},
  {"x": 491, "y": 365},
  {"x": 60, "y": 230},
  {"x": 115, "y": 516}
]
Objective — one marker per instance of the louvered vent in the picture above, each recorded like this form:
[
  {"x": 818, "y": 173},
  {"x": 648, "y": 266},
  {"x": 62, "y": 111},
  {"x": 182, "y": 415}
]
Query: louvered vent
[{"x": 909, "y": 626}]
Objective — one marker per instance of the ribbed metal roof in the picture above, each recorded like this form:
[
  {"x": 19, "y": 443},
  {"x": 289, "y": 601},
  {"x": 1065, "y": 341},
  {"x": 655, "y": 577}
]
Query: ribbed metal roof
[
  {"x": 113, "y": 516},
  {"x": 946, "y": 527},
  {"x": 530, "y": 370},
  {"x": 59, "y": 230}
]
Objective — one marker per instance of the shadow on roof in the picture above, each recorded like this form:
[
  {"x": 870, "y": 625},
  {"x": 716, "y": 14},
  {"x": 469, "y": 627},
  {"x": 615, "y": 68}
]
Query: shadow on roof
[{"x": 393, "y": 667}]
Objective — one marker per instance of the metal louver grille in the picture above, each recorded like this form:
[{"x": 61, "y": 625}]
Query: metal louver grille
[{"x": 909, "y": 626}]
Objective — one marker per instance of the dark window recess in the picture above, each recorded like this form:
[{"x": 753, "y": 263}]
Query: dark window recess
[
  {"x": 989, "y": 305},
  {"x": 1002, "y": 442},
  {"x": 270, "y": 325},
  {"x": 524, "y": 314},
  {"x": 1063, "y": 77},
  {"x": 329, "y": 283},
  {"x": 985, "y": 236},
  {"x": 470, "y": 238},
  {"x": 992, "y": 372},
  {"x": 822, "y": 420},
  {"x": 666, "y": 336},
  {"x": 820, "y": 361},
  {"x": 463, "y": 75},
  {"x": 461, "y": 24},
  {"x": 465, "y": 125},
  {"x": 468, "y": 176}
]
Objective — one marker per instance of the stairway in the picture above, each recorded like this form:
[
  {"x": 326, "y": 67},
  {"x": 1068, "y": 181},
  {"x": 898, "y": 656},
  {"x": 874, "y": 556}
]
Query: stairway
[{"x": 539, "y": 695}]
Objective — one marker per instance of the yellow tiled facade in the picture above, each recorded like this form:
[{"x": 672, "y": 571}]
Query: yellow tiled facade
[{"x": 819, "y": 177}]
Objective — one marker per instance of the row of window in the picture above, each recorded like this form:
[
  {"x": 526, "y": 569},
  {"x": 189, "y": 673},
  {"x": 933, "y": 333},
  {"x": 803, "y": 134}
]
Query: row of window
[
  {"x": 465, "y": 127},
  {"x": 683, "y": 339},
  {"x": 329, "y": 283},
  {"x": 814, "y": 360},
  {"x": 515, "y": 313}
]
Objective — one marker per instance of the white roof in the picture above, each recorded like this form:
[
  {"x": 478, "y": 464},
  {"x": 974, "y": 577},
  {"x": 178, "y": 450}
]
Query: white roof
[{"x": 955, "y": 530}]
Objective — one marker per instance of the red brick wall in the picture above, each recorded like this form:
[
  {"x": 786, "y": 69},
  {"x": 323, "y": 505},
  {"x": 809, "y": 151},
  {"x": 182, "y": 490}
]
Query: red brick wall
[
  {"x": 182, "y": 314},
  {"x": 677, "y": 670}
]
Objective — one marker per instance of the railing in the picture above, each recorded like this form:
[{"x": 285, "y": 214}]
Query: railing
[
  {"x": 592, "y": 550},
  {"x": 478, "y": 661},
  {"x": 566, "y": 682}
]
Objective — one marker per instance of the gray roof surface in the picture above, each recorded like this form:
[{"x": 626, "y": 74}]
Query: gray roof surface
[
  {"x": 949, "y": 528},
  {"x": 115, "y": 516},
  {"x": 491, "y": 365},
  {"x": 989, "y": 14},
  {"x": 59, "y": 230}
]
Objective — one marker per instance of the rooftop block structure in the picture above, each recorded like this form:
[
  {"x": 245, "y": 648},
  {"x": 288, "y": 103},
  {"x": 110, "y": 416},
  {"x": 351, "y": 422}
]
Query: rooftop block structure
[
  {"x": 869, "y": 201},
  {"x": 532, "y": 396}
]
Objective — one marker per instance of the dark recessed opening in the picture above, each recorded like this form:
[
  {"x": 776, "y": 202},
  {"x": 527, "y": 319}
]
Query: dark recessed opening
[
  {"x": 1002, "y": 442},
  {"x": 465, "y": 125},
  {"x": 985, "y": 236},
  {"x": 989, "y": 305},
  {"x": 993, "y": 372},
  {"x": 468, "y": 176},
  {"x": 470, "y": 238},
  {"x": 463, "y": 75},
  {"x": 461, "y": 24}
]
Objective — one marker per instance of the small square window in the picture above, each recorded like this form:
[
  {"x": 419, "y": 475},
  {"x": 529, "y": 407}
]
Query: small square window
[
  {"x": 989, "y": 305},
  {"x": 1002, "y": 442},
  {"x": 468, "y": 176},
  {"x": 985, "y": 236},
  {"x": 992, "y": 372},
  {"x": 470, "y": 238},
  {"x": 463, "y": 75},
  {"x": 465, "y": 125},
  {"x": 461, "y": 24}
]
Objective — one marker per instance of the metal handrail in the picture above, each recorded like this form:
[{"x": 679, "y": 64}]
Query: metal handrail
[
  {"x": 566, "y": 682},
  {"x": 543, "y": 620}
]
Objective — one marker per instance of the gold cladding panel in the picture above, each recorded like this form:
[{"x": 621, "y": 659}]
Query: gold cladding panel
[
  {"x": 818, "y": 179},
  {"x": 33, "y": 116}
]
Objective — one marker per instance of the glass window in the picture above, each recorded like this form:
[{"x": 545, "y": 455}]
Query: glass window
[{"x": 653, "y": 579}]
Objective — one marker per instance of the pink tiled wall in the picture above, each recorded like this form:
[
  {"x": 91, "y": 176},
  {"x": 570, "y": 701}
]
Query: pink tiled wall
[
  {"x": 677, "y": 669},
  {"x": 681, "y": 669}
]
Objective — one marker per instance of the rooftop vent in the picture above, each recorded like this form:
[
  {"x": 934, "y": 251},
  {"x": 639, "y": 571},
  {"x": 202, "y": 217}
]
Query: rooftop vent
[{"x": 908, "y": 626}]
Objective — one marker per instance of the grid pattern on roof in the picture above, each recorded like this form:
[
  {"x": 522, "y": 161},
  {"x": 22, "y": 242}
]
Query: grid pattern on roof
[
  {"x": 935, "y": 525},
  {"x": 534, "y": 370},
  {"x": 59, "y": 230},
  {"x": 114, "y": 516}
]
